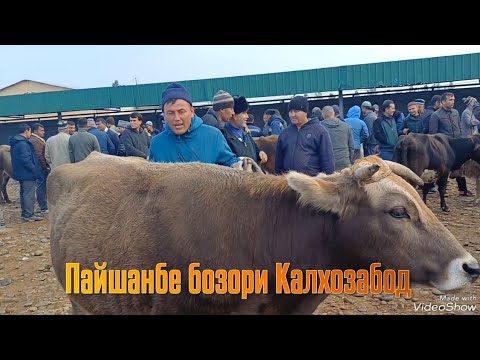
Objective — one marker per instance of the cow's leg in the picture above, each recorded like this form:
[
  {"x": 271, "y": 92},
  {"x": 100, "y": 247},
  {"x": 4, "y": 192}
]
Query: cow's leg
[
  {"x": 425, "y": 189},
  {"x": 5, "y": 179},
  {"x": 442, "y": 188}
]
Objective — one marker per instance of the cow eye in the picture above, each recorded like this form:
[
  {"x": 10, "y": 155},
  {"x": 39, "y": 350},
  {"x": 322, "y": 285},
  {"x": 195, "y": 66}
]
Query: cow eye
[{"x": 399, "y": 213}]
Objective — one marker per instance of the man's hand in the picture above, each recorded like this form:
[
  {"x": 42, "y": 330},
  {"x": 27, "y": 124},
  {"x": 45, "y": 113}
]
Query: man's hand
[
  {"x": 405, "y": 131},
  {"x": 263, "y": 157}
]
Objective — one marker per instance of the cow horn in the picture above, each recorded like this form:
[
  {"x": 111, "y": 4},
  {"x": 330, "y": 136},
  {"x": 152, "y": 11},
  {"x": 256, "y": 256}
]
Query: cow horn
[
  {"x": 366, "y": 172},
  {"x": 404, "y": 172}
]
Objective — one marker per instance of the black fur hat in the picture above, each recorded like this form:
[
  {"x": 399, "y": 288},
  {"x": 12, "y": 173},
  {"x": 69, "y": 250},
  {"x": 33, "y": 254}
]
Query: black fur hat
[{"x": 240, "y": 104}]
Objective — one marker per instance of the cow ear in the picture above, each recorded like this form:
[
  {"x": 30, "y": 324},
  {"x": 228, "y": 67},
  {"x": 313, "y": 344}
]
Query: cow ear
[{"x": 321, "y": 194}]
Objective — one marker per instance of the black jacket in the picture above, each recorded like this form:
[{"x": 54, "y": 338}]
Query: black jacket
[
  {"x": 136, "y": 143},
  {"x": 246, "y": 148}
]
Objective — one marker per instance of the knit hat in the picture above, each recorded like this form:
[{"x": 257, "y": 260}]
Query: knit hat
[
  {"x": 420, "y": 101},
  {"x": 62, "y": 125},
  {"x": 316, "y": 111},
  {"x": 222, "y": 100},
  {"x": 240, "y": 104},
  {"x": 149, "y": 123},
  {"x": 175, "y": 91},
  {"x": 367, "y": 104},
  {"x": 123, "y": 124},
  {"x": 298, "y": 103}
]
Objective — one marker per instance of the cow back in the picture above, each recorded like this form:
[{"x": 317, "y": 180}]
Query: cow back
[
  {"x": 133, "y": 214},
  {"x": 5, "y": 160},
  {"x": 268, "y": 144}
]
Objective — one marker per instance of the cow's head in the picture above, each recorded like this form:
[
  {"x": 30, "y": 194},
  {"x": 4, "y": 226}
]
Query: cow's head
[{"x": 383, "y": 219}]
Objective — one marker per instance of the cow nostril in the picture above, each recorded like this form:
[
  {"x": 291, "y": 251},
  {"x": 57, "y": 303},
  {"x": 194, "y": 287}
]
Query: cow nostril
[{"x": 472, "y": 269}]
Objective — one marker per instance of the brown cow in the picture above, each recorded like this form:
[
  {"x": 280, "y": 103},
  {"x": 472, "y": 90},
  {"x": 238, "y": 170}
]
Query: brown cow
[
  {"x": 185, "y": 213},
  {"x": 269, "y": 145},
  {"x": 5, "y": 170}
]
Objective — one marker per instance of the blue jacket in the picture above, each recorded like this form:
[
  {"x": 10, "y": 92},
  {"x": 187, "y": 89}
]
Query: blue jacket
[
  {"x": 359, "y": 128},
  {"x": 106, "y": 145},
  {"x": 255, "y": 130},
  {"x": 201, "y": 143},
  {"x": 413, "y": 124},
  {"x": 399, "y": 117},
  {"x": 25, "y": 165},
  {"x": 308, "y": 150},
  {"x": 274, "y": 126}
]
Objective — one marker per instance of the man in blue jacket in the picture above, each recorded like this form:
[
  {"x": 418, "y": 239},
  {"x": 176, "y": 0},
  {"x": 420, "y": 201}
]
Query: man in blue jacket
[
  {"x": 359, "y": 129},
  {"x": 106, "y": 145},
  {"x": 305, "y": 145},
  {"x": 274, "y": 124},
  {"x": 186, "y": 138},
  {"x": 26, "y": 169}
]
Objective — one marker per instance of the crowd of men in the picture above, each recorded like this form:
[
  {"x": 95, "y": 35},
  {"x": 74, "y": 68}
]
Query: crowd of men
[{"x": 316, "y": 141}]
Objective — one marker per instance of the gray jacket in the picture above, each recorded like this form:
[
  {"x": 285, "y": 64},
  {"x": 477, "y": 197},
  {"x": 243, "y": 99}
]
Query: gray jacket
[
  {"x": 81, "y": 144},
  {"x": 342, "y": 142},
  {"x": 369, "y": 119},
  {"x": 210, "y": 118},
  {"x": 445, "y": 122},
  {"x": 56, "y": 150},
  {"x": 469, "y": 123}
]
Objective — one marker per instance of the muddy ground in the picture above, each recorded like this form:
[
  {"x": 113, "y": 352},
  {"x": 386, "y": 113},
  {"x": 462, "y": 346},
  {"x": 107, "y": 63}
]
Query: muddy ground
[{"x": 29, "y": 286}]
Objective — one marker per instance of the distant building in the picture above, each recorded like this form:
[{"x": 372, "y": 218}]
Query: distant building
[{"x": 28, "y": 87}]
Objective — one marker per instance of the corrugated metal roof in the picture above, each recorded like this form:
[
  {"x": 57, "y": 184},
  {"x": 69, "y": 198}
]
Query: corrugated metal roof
[{"x": 365, "y": 76}]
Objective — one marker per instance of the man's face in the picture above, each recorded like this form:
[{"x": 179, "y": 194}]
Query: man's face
[
  {"x": 178, "y": 116},
  {"x": 240, "y": 120},
  {"x": 421, "y": 107},
  {"x": 28, "y": 133},
  {"x": 101, "y": 126},
  {"x": 266, "y": 118},
  {"x": 226, "y": 114},
  {"x": 389, "y": 111},
  {"x": 135, "y": 123},
  {"x": 71, "y": 129},
  {"x": 448, "y": 102},
  {"x": 298, "y": 117},
  {"x": 150, "y": 128},
  {"x": 413, "y": 110},
  {"x": 40, "y": 132}
]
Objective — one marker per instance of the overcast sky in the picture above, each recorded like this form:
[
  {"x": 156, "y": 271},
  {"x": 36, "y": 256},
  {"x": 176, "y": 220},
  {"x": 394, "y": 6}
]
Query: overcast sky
[{"x": 88, "y": 66}]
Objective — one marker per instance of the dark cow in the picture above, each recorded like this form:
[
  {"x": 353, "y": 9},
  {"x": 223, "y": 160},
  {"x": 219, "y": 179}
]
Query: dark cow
[
  {"x": 436, "y": 152},
  {"x": 269, "y": 145},
  {"x": 5, "y": 170},
  {"x": 186, "y": 213}
]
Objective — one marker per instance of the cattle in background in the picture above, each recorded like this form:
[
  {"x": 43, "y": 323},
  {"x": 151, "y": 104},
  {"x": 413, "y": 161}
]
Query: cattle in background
[
  {"x": 5, "y": 170},
  {"x": 185, "y": 213},
  {"x": 436, "y": 152},
  {"x": 470, "y": 169},
  {"x": 268, "y": 144}
]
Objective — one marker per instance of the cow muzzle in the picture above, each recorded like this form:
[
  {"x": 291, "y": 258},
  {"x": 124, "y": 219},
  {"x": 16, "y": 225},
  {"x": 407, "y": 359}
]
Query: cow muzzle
[{"x": 459, "y": 273}]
